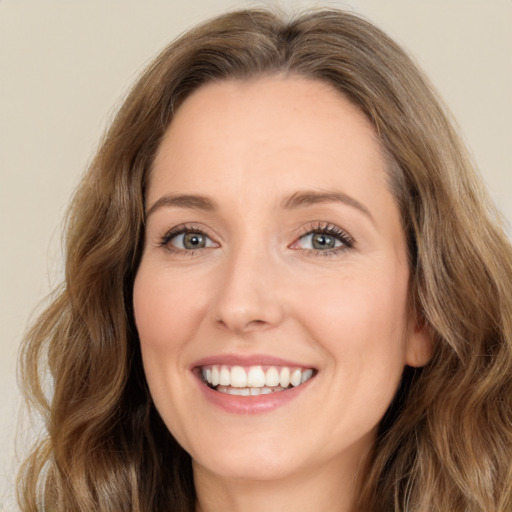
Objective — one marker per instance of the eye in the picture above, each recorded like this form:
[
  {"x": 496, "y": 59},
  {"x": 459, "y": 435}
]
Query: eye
[
  {"x": 186, "y": 239},
  {"x": 190, "y": 241},
  {"x": 324, "y": 238},
  {"x": 319, "y": 241}
]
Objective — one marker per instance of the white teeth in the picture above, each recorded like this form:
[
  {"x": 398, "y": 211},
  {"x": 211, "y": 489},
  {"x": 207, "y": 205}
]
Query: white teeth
[
  {"x": 254, "y": 380},
  {"x": 306, "y": 375},
  {"x": 238, "y": 377},
  {"x": 284, "y": 377},
  {"x": 224, "y": 377},
  {"x": 237, "y": 391},
  {"x": 265, "y": 390},
  {"x": 256, "y": 377},
  {"x": 248, "y": 391},
  {"x": 272, "y": 377},
  {"x": 215, "y": 376},
  {"x": 296, "y": 378}
]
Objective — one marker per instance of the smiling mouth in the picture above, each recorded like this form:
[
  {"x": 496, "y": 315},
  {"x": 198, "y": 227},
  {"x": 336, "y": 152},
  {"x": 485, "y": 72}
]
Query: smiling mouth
[{"x": 254, "y": 380}]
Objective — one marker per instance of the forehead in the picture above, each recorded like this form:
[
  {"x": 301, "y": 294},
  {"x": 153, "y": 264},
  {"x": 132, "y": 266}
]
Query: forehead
[{"x": 272, "y": 130}]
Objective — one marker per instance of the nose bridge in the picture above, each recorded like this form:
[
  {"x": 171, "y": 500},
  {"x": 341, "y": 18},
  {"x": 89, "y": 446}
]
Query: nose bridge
[{"x": 246, "y": 297}]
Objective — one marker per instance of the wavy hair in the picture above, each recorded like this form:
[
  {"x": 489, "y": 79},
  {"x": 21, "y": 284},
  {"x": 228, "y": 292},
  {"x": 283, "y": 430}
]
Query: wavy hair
[{"x": 445, "y": 443}]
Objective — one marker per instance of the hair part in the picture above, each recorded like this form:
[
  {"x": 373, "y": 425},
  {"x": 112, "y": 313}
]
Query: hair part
[{"x": 106, "y": 447}]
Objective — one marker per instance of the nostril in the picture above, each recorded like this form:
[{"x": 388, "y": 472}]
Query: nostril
[{"x": 244, "y": 326}]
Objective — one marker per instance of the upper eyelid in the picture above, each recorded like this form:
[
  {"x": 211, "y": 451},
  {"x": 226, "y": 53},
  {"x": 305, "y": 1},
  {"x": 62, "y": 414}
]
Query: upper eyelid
[
  {"x": 325, "y": 227},
  {"x": 188, "y": 228},
  {"x": 330, "y": 229},
  {"x": 181, "y": 229},
  {"x": 164, "y": 241},
  {"x": 303, "y": 230}
]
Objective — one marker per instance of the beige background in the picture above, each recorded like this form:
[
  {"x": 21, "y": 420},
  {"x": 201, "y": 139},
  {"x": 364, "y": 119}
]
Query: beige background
[{"x": 64, "y": 65}]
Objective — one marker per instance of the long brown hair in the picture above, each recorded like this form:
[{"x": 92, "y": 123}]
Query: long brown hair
[{"x": 445, "y": 443}]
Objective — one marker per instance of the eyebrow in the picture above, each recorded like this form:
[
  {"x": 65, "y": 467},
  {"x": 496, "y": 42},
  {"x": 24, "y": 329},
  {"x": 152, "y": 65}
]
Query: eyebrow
[
  {"x": 309, "y": 198},
  {"x": 191, "y": 201},
  {"x": 301, "y": 199}
]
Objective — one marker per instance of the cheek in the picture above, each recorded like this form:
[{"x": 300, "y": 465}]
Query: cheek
[
  {"x": 353, "y": 305},
  {"x": 166, "y": 316},
  {"x": 166, "y": 309},
  {"x": 360, "y": 321}
]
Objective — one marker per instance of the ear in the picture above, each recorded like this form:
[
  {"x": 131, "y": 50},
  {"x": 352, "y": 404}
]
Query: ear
[{"x": 420, "y": 344}]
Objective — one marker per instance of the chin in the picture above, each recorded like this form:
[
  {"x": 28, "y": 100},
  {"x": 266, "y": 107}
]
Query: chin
[{"x": 255, "y": 462}]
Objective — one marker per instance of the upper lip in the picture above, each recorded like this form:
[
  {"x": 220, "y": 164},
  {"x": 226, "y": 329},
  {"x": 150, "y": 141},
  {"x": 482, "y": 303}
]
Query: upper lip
[{"x": 247, "y": 360}]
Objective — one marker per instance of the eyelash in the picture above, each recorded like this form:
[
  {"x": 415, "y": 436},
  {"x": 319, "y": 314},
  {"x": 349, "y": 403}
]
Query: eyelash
[
  {"x": 347, "y": 242},
  {"x": 181, "y": 230}
]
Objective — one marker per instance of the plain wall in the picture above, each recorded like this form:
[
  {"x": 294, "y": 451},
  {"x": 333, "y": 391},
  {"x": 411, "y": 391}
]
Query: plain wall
[{"x": 64, "y": 65}]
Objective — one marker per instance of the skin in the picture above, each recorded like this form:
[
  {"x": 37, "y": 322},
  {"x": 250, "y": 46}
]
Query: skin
[{"x": 259, "y": 287}]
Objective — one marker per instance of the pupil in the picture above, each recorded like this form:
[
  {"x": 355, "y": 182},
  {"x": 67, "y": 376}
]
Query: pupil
[
  {"x": 193, "y": 240},
  {"x": 322, "y": 241}
]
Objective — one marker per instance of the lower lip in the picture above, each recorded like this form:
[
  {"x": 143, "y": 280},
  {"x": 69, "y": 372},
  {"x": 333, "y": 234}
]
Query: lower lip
[{"x": 258, "y": 404}]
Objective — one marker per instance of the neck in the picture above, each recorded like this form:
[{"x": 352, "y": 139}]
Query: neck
[{"x": 331, "y": 488}]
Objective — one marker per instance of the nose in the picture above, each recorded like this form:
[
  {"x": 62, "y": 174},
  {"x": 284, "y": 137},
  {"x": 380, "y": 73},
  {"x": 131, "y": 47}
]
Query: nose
[{"x": 247, "y": 298}]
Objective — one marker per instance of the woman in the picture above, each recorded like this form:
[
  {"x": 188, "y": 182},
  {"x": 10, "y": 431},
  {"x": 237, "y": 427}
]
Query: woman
[{"x": 284, "y": 287}]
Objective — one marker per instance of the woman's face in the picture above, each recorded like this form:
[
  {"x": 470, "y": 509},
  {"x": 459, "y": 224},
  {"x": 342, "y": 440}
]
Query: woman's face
[{"x": 274, "y": 251}]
